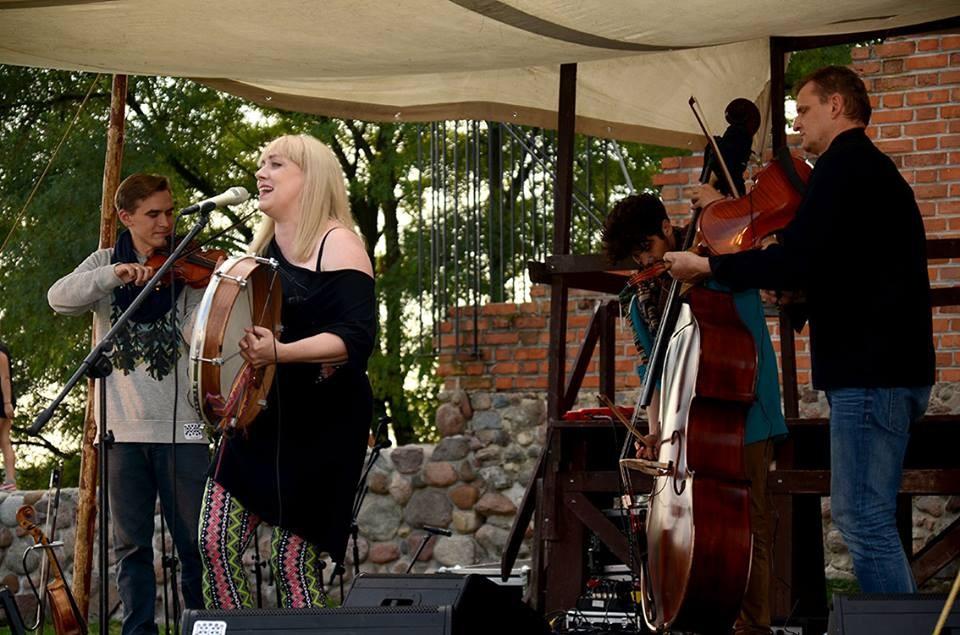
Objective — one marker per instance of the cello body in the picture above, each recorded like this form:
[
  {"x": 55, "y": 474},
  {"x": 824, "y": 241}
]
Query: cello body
[{"x": 698, "y": 524}]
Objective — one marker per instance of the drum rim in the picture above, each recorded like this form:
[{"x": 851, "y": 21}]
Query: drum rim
[{"x": 201, "y": 332}]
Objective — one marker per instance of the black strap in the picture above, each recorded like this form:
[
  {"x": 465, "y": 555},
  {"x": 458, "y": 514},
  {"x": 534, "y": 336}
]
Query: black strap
[
  {"x": 322, "y": 243},
  {"x": 786, "y": 162}
]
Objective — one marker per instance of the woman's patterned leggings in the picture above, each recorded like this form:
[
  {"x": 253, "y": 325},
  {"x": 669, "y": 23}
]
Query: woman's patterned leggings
[{"x": 225, "y": 531}]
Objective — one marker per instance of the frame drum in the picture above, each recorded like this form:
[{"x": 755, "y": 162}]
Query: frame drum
[{"x": 226, "y": 390}]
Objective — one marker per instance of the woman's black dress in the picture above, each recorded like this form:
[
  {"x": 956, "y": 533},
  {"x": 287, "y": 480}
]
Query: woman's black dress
[{"x": 299, "y": 462}]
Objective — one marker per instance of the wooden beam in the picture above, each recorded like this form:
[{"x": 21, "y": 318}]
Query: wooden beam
[
  {"x": 580, "y": 364},
  {"x": 937, "y": 248},
  {"x": 595, "y": 521},
  {"x": 937, "y": 554},
  {"x": 87, "y": 504},
  {"x": 585, "y": 263},
  {"x": 598, "y": 481},
  {"x": 801, "y": 43},
  {"x": 528, "y": 506},
  {"x": 943, "y": 248},
  {"x": 608, "y": 349},
  {"x": 915, "y": 482},
  {"x": 945, "y": 296},
  {"x": 598, "y": 281}
]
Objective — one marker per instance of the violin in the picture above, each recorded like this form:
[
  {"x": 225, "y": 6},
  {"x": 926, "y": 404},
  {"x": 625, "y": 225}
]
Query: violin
[
  {"x": 193, "y": 269},
  {"x": 727, "y": 226},
  {"x": 731, "y": 225},
  {"x": 655, "y": 270},
  {"x": 67, "y": 619}
]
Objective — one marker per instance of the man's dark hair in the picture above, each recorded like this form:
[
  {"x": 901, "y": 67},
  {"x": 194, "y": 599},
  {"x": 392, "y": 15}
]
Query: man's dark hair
[
  {"x": 631, "y": 221},
  {"x": 831, "y": 80},
  {"x": 137, "y": 187}
]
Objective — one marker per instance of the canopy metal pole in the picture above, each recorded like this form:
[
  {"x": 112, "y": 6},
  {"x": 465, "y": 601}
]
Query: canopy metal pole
[{"x": 87, "y": 505}]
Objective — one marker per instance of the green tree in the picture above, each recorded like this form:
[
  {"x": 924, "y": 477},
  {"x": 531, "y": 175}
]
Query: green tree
[
  {"x": 206, "y": 141},
  {"x": 805, "y": 62}
]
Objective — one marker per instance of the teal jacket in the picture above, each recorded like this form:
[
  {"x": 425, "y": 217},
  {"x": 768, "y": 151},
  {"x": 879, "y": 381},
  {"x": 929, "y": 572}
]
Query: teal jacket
[{"x": 765, "y": 419}]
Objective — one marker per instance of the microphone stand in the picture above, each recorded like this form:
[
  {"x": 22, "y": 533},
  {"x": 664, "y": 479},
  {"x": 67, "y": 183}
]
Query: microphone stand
[
  {"x": 98, "y": 366},
  {"x": 431, "y": 532},
  {"x": 359, "y": 495}
]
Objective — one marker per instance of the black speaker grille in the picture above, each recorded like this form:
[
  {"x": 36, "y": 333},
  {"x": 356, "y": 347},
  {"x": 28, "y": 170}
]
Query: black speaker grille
[{"x": 343, "y": 610}]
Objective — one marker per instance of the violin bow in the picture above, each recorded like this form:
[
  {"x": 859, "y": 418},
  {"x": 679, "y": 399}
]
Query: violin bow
[
  {"x": 53, "y": 500},
  {"x": 695, "y": 106}
]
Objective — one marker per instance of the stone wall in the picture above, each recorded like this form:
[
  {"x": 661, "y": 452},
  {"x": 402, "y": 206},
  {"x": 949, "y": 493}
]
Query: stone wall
[{"x": 471, "y": 483}]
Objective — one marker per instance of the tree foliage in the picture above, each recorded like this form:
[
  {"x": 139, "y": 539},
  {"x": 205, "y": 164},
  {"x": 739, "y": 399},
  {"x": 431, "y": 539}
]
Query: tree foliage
[
  {"x": 802, "y": 63},
  {"x": 207, "y": 141}
]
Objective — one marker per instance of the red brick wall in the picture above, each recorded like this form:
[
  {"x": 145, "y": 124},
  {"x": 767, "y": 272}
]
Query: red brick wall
[
  {"x": 513, "y": 340},
  {"x": 914, "y": 85}
]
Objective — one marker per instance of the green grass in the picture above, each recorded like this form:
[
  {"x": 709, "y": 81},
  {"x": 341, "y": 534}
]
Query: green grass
[{"x": 840, "y": 586}]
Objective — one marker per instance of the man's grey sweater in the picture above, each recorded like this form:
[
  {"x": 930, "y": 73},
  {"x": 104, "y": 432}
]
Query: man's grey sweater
[{"x": 140, "y": 409}]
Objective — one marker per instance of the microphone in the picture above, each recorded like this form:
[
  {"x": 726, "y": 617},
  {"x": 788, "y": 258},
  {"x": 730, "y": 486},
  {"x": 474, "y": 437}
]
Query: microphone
[
  {"x": 436, "y": 531},
  {"x": 231, "y": 197}
]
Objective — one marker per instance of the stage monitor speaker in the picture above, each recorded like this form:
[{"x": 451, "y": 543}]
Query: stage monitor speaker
[
  {"x": 479, "y": 605},
  {"x": 390, "y": 620},
  {"x": 891, "y": 614}
]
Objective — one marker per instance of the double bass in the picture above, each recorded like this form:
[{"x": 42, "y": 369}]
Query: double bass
[{"x": 699, "y": 542}]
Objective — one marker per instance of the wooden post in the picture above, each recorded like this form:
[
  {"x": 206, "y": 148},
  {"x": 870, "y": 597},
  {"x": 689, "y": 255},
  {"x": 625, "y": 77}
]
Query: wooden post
[
  {"x": 547, "y": 523},
  {"x": 87, "y": 504},
  {"x": 797, "y": 581},
  {"x": 562, "y": 204}
]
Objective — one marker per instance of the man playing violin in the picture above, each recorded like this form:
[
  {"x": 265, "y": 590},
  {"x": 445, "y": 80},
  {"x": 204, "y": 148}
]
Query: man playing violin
[
  {"x": 160, "y": 446},
  {"x": 855, "y": 201},
  {"x": 638, "y": 227}
]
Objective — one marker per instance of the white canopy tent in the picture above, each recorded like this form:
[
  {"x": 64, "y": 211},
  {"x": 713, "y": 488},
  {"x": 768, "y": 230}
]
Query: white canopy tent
[{"x": 417, "y": 60}]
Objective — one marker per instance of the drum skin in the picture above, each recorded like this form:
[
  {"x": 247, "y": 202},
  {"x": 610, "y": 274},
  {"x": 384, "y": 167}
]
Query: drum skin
[{"x": 226, "y": 391}]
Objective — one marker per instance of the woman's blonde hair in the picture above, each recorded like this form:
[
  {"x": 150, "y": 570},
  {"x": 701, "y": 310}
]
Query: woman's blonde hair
[{"x": 324, "y": 195}]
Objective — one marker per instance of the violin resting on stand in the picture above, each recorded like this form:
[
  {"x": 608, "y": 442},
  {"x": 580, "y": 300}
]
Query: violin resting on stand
[{"x": 67, "y": 619}]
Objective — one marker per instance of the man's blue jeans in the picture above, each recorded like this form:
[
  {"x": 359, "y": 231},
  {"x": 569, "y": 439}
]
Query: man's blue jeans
[
  {"x": 138, "y": 473},
  {"x": 869, "y": 430}
]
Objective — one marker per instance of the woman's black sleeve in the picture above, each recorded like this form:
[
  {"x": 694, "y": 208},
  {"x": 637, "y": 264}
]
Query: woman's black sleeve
[{"x": 357, "y": 319}]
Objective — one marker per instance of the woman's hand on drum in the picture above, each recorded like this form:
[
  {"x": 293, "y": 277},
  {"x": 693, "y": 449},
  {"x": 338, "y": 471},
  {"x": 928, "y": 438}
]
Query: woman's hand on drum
[{"x": 259, "y": 347}]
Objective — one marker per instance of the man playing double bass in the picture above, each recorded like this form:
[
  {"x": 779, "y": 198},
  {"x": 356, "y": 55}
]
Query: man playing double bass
[
  {"x": 837, "y": 250},
  {"x": 638, "y": 227}
]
